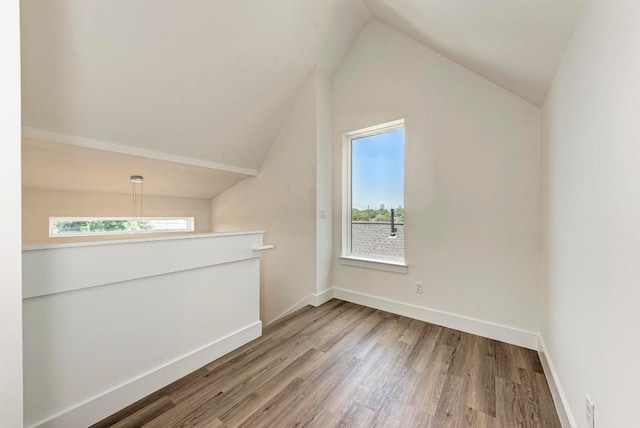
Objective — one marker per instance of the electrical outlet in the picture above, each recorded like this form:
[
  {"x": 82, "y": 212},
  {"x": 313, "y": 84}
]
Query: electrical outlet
[
  {"x": 590, "y": 413},
  {"x": 419, "y": 287}
]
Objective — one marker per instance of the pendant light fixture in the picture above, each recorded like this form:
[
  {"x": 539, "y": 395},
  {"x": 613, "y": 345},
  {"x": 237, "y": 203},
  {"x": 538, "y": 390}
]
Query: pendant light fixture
[{"x": 136, "y": 181}]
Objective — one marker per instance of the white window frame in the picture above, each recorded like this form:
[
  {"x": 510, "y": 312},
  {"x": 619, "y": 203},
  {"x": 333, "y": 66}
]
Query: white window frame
[
  {"x": 346, "y": 257},
  {"x": 52, "y": 220}
]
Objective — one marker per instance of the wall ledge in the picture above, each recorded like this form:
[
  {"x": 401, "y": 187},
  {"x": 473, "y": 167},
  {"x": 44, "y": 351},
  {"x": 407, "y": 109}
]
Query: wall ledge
[
  {"x": 36, "y": 247},
  {"x": 69, "y": 267},
  {"x": 376, "y": 264}
]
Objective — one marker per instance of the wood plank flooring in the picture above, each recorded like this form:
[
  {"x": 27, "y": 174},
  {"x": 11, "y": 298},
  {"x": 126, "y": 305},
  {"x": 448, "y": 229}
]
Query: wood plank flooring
[{"x": 345, "y": 365}]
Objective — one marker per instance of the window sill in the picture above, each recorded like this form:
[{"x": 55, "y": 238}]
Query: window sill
[{"x": 378, "y": 264}]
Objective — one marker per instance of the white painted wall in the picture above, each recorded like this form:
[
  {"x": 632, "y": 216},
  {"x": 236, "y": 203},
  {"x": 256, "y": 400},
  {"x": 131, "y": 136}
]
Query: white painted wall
[
  {"x": 324, "y": 203},
  {"x": 592, "y": 215},
  {"x": 39, "y": 205},
  {"x": 97, "y": 338},
  {"x": 472, "y": 185},
  {"x": 10, "y": 265},
  {"x": 489, "y": 36},
  {"x": 282, "y": 201}
]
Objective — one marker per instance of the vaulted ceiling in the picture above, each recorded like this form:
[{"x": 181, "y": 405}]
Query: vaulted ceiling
[
  {"x": 516, "y": 44},
  {"x": 53, "y": 166},
  {"x": 212, "y": 80},
  {"x": 205, "y": 79}
]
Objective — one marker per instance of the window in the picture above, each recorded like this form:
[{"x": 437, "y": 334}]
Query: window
[
  {"x": 373, "y": 195},
  {"x": 89, "y": 226}
]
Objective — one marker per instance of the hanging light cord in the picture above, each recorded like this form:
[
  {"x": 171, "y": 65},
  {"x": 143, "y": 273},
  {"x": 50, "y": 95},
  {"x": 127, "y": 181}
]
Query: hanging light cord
[{"x": 137, "y": 179}]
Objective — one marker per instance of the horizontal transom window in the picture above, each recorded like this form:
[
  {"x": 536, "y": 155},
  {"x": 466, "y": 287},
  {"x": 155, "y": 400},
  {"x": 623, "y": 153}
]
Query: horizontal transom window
[{"x": 90, "y": 226}]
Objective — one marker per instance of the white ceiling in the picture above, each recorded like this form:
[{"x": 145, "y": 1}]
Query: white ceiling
[
  {"x": 212, "y": 80},
  {"x": 206, "y": 79},
  {"x": 516, "y": 44},
  {"x": 54, "y": 166}
]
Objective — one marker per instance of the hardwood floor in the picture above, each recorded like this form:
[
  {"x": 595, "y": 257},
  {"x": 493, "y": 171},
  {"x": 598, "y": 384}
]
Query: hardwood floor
[{"x": 345, "y": 365}]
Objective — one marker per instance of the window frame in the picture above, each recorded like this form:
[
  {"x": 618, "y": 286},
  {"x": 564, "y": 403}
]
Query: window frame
[
  {"x": 346, "y": 256},
  {"x": 190, "y": 226}
]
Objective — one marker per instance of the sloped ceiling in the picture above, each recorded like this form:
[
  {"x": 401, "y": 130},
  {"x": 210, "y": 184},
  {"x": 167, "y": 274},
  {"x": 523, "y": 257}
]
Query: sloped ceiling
[
  {"x": 516, "y": 44},
  {"x": 205, "y": 79},
  {"x": 212, "y": 80},
  {"x": 53, "y": 166}
]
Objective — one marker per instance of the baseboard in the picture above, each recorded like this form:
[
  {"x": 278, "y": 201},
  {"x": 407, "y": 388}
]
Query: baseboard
[
  {"x": 296, "y": 306},
  {"x": 109, "y": 402},
  {"x": 559, "y": 399},
  {"x": 315, "y": 299},
  {"x": 514, "y": 336},
  {"x": 321, "y": 298}
]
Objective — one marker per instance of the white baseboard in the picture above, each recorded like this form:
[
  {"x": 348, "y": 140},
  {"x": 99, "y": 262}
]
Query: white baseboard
[
  {"x": 559, "y": 399},
  {"x": 514, "y": 336},
  {"x": 321, "y": 298},
  {"x": 296, "y": 306},
  {"x": 109, "y": 402},
  {"x": 315, "y": 299}
]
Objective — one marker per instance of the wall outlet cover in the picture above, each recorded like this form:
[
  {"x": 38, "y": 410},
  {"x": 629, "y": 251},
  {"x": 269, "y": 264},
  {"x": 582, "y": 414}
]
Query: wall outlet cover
[{"x": 419, "y": 287}]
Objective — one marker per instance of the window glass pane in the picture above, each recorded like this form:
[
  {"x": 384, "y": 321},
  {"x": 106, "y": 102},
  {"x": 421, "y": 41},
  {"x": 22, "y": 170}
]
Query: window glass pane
[
  {"x": 377, "y": 187},
  {"x": 108, "y": 226}
]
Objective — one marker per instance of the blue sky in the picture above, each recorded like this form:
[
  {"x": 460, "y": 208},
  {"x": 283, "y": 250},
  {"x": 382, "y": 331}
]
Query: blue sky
[{"x": 378, "y": 170}]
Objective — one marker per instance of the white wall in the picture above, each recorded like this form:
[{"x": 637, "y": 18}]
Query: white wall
[
  {"x": 97, "y": 339},
  {"x": 324, "y": 203},
  {"x": 592, "y": 213},
  {"x": 282, "y": 201},
  {"x": 10, "y": 264},
  {"x": 472, "y": 185},
  {"x": 39, "y": 205}
]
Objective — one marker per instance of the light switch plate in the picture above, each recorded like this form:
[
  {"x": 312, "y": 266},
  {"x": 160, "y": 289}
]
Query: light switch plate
[{"x": 590, "y": 413}]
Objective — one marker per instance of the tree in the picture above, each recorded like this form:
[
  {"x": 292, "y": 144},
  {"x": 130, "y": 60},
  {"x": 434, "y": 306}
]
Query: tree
[
  {"x": 380, "y": 215},
  {"x": 87, "y": 226}
]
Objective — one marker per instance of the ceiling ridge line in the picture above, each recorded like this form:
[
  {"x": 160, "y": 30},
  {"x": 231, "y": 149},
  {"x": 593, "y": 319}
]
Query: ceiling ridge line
[{"x": 55, "y": 137}]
